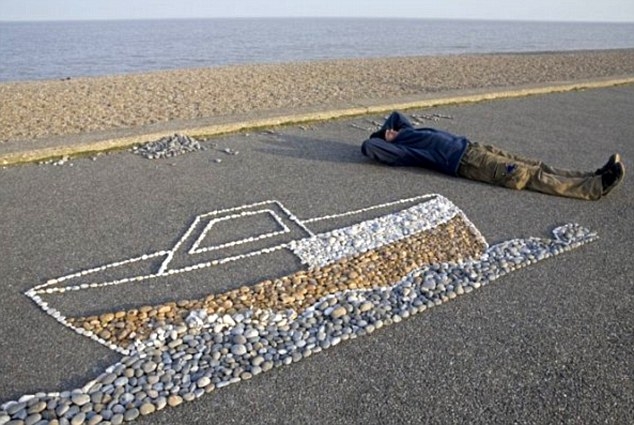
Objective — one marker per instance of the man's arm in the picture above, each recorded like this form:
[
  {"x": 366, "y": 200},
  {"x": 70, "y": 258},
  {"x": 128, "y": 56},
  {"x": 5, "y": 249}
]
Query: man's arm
[
  {"x": 385, "y": 152},
  {"x": 396, "y": 121}
]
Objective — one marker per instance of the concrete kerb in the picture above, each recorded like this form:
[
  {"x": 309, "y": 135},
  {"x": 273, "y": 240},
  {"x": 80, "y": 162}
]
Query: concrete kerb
[{"x": 88, "y": 148}]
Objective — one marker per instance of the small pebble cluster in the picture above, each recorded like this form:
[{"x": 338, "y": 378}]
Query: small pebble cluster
[
  {"x": 235, "y": 336},
  {"x": 61, "y": 161},
  {"x": 168, "y": 147}
]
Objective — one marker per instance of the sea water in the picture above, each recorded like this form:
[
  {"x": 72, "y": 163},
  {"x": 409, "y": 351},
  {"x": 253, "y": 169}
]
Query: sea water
[{"x": 54, "y": 50}]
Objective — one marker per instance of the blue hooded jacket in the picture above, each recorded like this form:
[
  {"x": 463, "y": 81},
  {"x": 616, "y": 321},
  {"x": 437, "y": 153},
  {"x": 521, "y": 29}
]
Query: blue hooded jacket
[{"x": 424, "y": 147}]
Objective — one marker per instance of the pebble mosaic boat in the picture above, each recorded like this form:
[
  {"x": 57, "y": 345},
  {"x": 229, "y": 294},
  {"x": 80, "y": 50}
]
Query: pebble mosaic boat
[
  {"x": 369, "y": 254},
  {"x": 355, "y": 279}
]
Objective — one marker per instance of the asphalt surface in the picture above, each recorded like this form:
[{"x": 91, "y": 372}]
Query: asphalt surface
[{"x": 552, "y": 343}]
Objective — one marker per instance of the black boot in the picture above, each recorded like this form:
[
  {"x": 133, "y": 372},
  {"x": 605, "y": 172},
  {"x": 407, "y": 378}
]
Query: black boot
[
  {"x": 614, "y": 158},
  {"x": 612, "y": 177}
]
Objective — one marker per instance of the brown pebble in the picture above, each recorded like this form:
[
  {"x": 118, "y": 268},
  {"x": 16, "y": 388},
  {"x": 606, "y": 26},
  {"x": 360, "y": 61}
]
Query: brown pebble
[
  {"x": 105, "y": 334},
  {"x": 338, "y": 312},
  {"x": 174, "y": 400},
  {"x": 106, "y": 317},
  {"x": 147, "y": 409},
  {"x": 164, "y": 309}
]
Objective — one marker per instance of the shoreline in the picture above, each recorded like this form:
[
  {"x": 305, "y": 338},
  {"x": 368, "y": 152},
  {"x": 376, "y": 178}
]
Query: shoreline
[
  {"x": 317, "y": 62},
  {"x": 149, "y": 73},
  {"x": 33, "y": 113}
]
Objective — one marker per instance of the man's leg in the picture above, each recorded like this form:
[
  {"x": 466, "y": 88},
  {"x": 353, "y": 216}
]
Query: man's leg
[
  {"x": 486, "y": 165},
  {"x": 529, "y": 161}
]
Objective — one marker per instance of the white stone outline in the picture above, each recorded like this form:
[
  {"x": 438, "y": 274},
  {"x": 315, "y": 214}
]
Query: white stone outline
[
  {"x": 375, "y": 207},
  {"x": 170, "y": 254},
  {"x": 195, "y": 250},
  {"x": 34, "y": 293}
]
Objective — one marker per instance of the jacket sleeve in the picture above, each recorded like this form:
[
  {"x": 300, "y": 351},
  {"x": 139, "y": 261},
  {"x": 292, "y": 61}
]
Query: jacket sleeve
[
  {"x": 396, "y": 121},
  {"x": 385, "y": 152}
]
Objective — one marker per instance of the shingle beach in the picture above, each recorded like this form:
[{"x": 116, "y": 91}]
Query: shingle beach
[{"x": 40, "y": 109}]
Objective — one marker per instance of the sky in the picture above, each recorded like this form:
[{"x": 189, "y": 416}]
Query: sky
[{"x": 532, "y": 10}]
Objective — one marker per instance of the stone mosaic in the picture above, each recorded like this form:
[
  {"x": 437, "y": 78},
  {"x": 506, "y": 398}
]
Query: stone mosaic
[{"x": 383, "y": 271}]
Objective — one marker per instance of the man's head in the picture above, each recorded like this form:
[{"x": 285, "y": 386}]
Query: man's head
[{"x": 390, "y": 135}]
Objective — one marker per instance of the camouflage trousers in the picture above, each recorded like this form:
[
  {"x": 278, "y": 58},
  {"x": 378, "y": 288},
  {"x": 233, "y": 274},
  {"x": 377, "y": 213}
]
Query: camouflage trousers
[{"x": 492, "y": 165}]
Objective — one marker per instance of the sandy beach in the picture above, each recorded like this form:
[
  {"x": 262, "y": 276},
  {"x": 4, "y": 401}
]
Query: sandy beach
[{"x": 40, "y": 109}]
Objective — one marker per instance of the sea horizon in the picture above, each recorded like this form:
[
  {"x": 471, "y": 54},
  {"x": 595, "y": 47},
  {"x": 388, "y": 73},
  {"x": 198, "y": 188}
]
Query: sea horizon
[
  {"x": 372, "y": 18},
  {"x": 44, "y": 50}
]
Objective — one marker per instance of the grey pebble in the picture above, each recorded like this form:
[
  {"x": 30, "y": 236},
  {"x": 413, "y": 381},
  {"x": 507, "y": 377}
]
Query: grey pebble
[
  {"x": 239, "y": 339},
  {"x": 121, "y": 382},
  {"x": 117, "y": 419},
  {"x": 251, "y": 333},
  {"x": 78, "y": 419},
  {"x": 95, "y": 420},
  {"x": 429, "y": 285},
  {"x": 126, "y": 398},
  {"x": 117, "y": 408},
  {"x": 238, "y": 349},
  {"x": 74, "y": 409},
  {"x": 15, "y": 408},
  {"x": 160, "y": 403},
  {"x": 62, "y": 409},
  {"x": 32, "y": 419},
  {"x": 189, "y": 396},
  {"x": 149, "y": 367},
  {"x": 131, "y": 414},
  {"x": 37, "y": 407},
  {"x": 80, "y": 399},
  {"x": 203, "y": 382}
]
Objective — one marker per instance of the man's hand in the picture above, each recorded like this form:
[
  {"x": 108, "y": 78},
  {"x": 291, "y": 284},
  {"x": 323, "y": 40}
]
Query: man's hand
[{"x": 390, "y": 135}]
